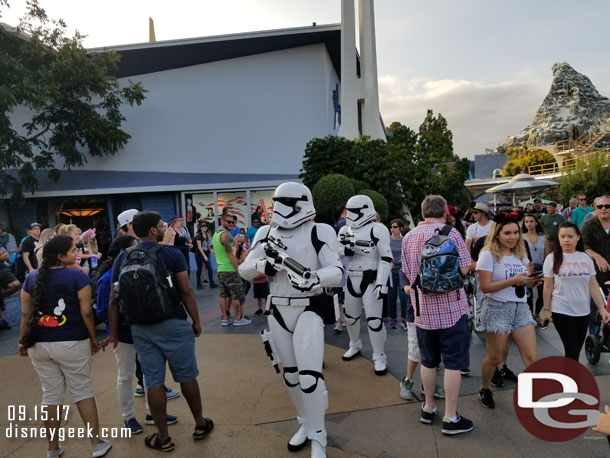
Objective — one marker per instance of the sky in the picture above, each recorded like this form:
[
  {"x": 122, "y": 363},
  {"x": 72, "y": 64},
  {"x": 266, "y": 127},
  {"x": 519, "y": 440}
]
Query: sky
[{"x": 485, "y": 65}]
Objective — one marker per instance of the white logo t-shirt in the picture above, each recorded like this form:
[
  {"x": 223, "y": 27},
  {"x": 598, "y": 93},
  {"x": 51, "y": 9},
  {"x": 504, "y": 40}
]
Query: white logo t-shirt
[
  {"x": 571, "y": 294},
  {"x": 508, "y": 267}
]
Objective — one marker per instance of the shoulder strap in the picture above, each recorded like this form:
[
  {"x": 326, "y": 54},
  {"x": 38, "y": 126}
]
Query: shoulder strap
[{"x": 446, "y": 230}]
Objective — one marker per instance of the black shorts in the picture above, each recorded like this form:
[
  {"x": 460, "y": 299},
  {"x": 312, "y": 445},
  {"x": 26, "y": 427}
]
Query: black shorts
[
  {"x": 451, "y": 344},
  {"x": 261, "y": 290}
]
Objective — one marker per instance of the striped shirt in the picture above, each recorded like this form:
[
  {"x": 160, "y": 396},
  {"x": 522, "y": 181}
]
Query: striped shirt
[{"x": 437, "y": 311}]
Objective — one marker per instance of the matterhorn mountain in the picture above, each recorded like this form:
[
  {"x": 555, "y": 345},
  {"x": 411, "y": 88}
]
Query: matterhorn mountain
[{"x": 571, "y": 108}]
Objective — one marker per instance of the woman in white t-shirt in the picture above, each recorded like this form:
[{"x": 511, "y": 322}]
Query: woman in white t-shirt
[
  {"x": 569, "y": 284},
  {"x": 535, "y": 237},
  {"x": 503, "y": 269}
]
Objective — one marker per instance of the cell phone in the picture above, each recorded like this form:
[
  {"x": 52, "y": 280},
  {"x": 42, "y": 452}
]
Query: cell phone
[{"x": 538, "y": 273}]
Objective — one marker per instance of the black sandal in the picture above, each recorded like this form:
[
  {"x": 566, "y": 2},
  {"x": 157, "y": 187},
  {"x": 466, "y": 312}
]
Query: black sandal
[
  {"x": 202, "y": 431},
  {"x": 154, "y": 441}
]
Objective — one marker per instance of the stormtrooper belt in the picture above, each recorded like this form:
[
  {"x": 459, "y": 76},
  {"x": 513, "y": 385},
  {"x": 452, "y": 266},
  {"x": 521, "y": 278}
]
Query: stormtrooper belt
[{"x": 294, "y": 301}]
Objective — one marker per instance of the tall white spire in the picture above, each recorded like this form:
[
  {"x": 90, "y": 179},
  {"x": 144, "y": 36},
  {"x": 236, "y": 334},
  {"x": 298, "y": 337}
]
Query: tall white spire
[{"x": 359, "y": 94}]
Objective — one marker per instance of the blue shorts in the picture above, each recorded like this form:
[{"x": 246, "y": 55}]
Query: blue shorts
[
  {"x": 172, "y": 341},
  {"x": 504, "y": 317},
  {"x": 452, "y": 345}
]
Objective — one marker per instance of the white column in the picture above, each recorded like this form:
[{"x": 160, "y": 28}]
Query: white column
[
  {"x": 349, "y": 90},
  {"x": 371, "y": 123}
]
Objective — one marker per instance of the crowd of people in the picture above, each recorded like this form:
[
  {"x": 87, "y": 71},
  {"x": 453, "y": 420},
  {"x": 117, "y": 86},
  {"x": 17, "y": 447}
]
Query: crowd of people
[{"x": 532, "y": 267}]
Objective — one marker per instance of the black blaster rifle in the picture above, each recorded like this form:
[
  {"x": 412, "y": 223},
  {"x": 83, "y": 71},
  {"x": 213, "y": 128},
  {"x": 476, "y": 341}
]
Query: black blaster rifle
[{"x": 299, "y": 275}]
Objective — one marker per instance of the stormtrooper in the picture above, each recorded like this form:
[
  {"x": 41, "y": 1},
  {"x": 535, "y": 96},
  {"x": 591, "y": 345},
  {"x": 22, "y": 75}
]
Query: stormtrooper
[
  {"x": 301, "y": 257},
  {"x": 367, "y": 245}
]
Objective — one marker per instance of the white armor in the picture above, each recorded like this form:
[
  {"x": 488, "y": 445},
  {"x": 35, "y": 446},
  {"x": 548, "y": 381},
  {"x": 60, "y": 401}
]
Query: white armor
[
  {"x": 367, "y": 245},
  {"x": 301, "y": 256}
]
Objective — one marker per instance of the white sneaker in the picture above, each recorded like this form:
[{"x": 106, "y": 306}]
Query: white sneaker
[
  {"x": 352, "y": 351},
  {"x": 101, "y": 448},
  {"x": 381, "y": 364},
  {"x": 338, "y": 327},
  {"x": 317, "y": 450},
  {"x": 226, "y": 322},
  {"x": 242, "y": 322},
  {"x": 299, "y": 440},
  {"x": 55, "y": 453}
]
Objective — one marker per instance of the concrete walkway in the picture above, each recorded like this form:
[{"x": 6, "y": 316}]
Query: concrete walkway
[{"x": 255, "y": 418}]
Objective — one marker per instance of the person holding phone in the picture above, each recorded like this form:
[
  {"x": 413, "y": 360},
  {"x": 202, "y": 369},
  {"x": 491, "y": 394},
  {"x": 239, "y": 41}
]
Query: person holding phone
[
  {"x": 535, "y": 237},
  {"x": 569, "y": 284},
  {"x": 504, "y": 270}
]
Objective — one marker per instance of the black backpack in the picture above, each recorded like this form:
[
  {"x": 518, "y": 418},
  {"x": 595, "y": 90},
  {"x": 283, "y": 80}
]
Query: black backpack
[{"x": 146, "y": 294}]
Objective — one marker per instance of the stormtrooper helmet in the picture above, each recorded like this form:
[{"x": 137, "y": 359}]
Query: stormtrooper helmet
[
  {"x": 360, "y": 211},
  {"x": 293, "y": 205}
]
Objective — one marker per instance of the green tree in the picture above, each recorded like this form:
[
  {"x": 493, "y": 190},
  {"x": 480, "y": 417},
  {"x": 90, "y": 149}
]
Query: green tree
[
  {"x": 71, "y": 103},
  {"x": 521, "y": 159},
  {"x": 590, "y": 176},
  {"x": 326, "y": 155},
  {"x": 328, "y": 193}
]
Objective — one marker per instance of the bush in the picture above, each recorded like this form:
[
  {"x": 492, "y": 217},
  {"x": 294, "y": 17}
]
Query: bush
[
  {"x": 359, "y": 185},
  {"x": 328, "y": 193},
  {"x": 380, "y": 203}
]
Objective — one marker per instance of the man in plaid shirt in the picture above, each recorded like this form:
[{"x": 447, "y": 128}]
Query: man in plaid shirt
[{"x": 441, "y": 319}]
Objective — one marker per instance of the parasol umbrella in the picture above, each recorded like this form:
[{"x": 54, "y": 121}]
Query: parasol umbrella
[
  {"x": 531, "y": 201},
  {"x": 522, "y": 184}
]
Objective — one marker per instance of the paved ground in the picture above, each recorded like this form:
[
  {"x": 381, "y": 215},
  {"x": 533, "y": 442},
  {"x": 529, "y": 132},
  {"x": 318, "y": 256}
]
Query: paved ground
[{"x": 254, "y": 417}]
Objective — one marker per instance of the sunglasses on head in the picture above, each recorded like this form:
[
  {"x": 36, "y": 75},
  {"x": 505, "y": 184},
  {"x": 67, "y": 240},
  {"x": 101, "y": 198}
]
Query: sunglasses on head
[{"x": 606, "y": 206}]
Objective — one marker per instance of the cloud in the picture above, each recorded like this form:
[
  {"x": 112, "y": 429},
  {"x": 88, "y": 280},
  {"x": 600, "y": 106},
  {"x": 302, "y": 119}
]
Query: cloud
[{"x": 480, "y": 115}]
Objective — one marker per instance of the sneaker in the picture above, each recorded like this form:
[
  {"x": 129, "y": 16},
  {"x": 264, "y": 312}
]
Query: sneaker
[
  {"x": 404, "y": 325},
  {"x": 139, "y": 392},
  {"x": 406, "y": 390},
  {"x": 224, "y": 322},
  {"x": 259, "y": 312},
  {"x": 55, "y": 453},
  {"x": 497, "y": 379},
  {"x": 214, "y": 285},
  {"x": 101, "y": 448},
  {"x": 487, "y": 398},
  {"x": 171, "y": 419},
  {"x": 427, "y": 415},
  {"x": 171, "y": 394},
  {"x": 338, "y": 327},
  {"x": 393, "y": 323},
  {"x": 508, "y": 374},
  {"x": 267, "y": 313},
  {"x": 465, "y": 371},
  {"x": 462, "y": 425},
  {"x": 242, "y": 322},
  {"x": 439, "y": 392},
  {"x": 4, "y": 326},
  {"x": 133, "y": 425}
]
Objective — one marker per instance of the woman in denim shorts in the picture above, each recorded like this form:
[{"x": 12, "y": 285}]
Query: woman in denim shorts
[{"x": 503, "y": 270}]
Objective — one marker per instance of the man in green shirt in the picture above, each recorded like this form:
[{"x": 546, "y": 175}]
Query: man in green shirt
[
  {"x": 551, "y": 221},
  {"x": 579, "y": 213},
  {"x": 231, "y": 285}
]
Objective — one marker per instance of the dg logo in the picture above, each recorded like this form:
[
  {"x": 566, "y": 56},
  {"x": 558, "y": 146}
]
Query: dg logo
[{"x": 557, "y": 399}]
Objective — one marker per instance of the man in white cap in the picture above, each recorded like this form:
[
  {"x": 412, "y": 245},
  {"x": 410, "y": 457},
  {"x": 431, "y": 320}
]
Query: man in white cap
[
  {"x": 125, "y": 219},
  {"x": 481, "y": 226}
]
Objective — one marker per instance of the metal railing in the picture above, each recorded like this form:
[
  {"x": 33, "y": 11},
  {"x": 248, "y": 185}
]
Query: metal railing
[{"x": 568, "y": 163}]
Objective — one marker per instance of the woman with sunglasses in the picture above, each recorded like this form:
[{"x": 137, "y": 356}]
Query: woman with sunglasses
[
  {"x": 569, "y": 284},
  {"x": 396, "y": 291},
  {"x": 504, "y": 269}
]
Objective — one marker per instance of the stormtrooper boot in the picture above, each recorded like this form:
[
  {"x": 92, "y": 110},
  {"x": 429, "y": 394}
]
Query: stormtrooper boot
[
  {"x": 299, "y": 440},
  {"x": 353, "y": 351},
  {"x": 381, "y": 365},
  {"x": 318, "y": 444}
]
